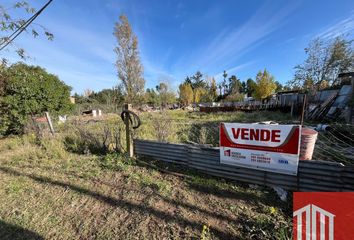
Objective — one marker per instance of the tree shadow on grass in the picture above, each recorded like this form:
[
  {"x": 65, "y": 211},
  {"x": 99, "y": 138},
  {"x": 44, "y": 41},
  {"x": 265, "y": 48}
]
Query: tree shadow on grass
[
  {"x": 13, "y": 232},
  {"x": 209, "y": 184},
  {"x": 120, "y": 203}
]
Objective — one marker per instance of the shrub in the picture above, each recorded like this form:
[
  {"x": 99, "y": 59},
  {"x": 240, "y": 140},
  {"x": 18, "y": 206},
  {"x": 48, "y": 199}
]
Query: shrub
[
  {"x": 29, "y": 90},
  {"x": 95, "y": 139}
]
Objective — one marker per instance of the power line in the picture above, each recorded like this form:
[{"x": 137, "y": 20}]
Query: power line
[{"x": 23, "y": 27}]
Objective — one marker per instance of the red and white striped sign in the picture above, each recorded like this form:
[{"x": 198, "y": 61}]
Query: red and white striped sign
[{"x": 272, "y": 148}]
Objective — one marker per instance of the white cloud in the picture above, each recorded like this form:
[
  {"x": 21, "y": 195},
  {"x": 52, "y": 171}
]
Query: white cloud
[
  {"x": 344, "y": 26},
  {"x": 231, "y": 43}
]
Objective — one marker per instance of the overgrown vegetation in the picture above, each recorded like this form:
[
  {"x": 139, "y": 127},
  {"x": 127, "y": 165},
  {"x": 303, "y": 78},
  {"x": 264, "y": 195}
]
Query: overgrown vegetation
[
  {"x": 53, "y": 188},
  {"x": 27, "y": 91},
  {"x": 185, "y": 127}
]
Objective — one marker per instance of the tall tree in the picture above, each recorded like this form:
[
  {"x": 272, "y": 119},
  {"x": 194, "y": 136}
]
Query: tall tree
[
  {"x": 243, "y": 87},
  {"x": 265, "y": 84},
  {"x": 151, "y": 97},
  {"x": 185, "y": 94},
  {"x": 234, "y": 85},
  {"x": 250, "y": 87},
  {"x": 165, "y": 95},
  {"x": 111, "y": 96},
  {"x": 224, "y": 84},
  {"x": 213, "y": 90},
  {"x": 129, "y": 68},
  {"x": 325, "y": 60},
  {"x": 200, "y": 94},
  {"x": 197, "y": 81},
  {"x": 209, "y": 92},
  {"x": 279, "y": 86},
  {"x": 220, "y": 88}
]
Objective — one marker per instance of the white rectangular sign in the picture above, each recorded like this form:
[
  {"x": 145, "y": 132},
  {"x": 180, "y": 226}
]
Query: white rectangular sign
[{"x": 273, "y": 148}]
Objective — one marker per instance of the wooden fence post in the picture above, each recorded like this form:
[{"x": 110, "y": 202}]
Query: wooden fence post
[
  {"x": 50, "y": 123},
  {"x": 304, "y": 102},
  {"x": 127, "y": 131},
  {"x": 351, "y": 108}
]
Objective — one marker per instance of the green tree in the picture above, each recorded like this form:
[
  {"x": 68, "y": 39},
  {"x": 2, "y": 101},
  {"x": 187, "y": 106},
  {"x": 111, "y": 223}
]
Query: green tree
[
  {"x": 129, "y": 68},
  {"x": 165, "y": 95},
  {"x": 220, "y": 89},
  {"x": 113, "y": 96},
  {"x": 224, "y": 84},
  {"x": 250, "y": 87},
  {"x": 30, "y": 90},
  {"x": 151, "y": 97},
  {"x": 279, "y": 87},
  {"x": 235, "y": 85},
  {"x": 243, "y": 87},
  {"x": 196, "y": 81},
  {"x": 200, "y": 94},
  {"x": 325, "y": 60},
  {"x": 213, "y": 90},
  {"x": 185, "y": 94},
  {"x": 265, "y": 84}
]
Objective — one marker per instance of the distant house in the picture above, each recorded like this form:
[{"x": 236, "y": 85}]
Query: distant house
[{"x": 72, "y": 100}]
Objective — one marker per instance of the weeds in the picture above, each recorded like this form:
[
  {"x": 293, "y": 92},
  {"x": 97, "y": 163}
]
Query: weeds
[
  {"x": 205, "y": 235},
  {"x": 202, "y": 128},
  {"x": 100, "y": 139},
  {"x": 16, "y": 186},
  {"x": 162, "y": 128},
  {"x": 80, "y": 185},
  {"x": 207, "y": 182},
  {"x": 151, "y": 181},
  {"x": 117, "y": 161}
]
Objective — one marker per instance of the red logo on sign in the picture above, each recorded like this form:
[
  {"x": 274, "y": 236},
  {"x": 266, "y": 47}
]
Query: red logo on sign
[
  {"x": 227, "y": 153},
  {"x": 323, "y": 215}
]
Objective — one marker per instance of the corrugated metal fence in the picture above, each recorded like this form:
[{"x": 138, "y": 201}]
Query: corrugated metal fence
[{"x": 312, "y": 175}]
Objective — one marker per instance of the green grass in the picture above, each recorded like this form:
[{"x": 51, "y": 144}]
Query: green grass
[
  {"x": 179, "y": 126},
  {"x": 49, "y": 191}
]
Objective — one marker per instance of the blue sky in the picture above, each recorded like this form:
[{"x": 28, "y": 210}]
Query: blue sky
[{"x": 177, "y": 38}]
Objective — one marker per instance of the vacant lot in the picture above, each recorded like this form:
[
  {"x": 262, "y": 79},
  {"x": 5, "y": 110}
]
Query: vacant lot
[
  {"x": 49, "y": 191},
  {"x": 182, "y": 127}
]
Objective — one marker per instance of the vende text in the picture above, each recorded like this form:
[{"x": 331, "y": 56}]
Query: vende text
[{"x": 263, "y": 135}]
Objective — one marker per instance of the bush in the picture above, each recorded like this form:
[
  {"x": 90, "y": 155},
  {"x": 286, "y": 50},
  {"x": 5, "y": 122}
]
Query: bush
[
  {"x": 29, "y": 90},
  {"x": 94, "y": 139}
]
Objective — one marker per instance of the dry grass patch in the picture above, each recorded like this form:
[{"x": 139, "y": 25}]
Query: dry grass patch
[{"x": 47, "y": 192}]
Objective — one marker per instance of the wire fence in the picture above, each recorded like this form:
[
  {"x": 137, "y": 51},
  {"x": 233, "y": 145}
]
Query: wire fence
[{"x": 336, "y": 143}]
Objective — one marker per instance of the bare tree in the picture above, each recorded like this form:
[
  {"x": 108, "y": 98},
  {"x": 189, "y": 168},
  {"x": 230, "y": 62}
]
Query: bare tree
[
  {"x": 325, "y": 60},
  {"x": 129, "y": 68}
]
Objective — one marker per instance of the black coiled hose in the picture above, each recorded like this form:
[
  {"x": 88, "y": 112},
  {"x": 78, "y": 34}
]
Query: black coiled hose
[{"x": 133, "y": 118}]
